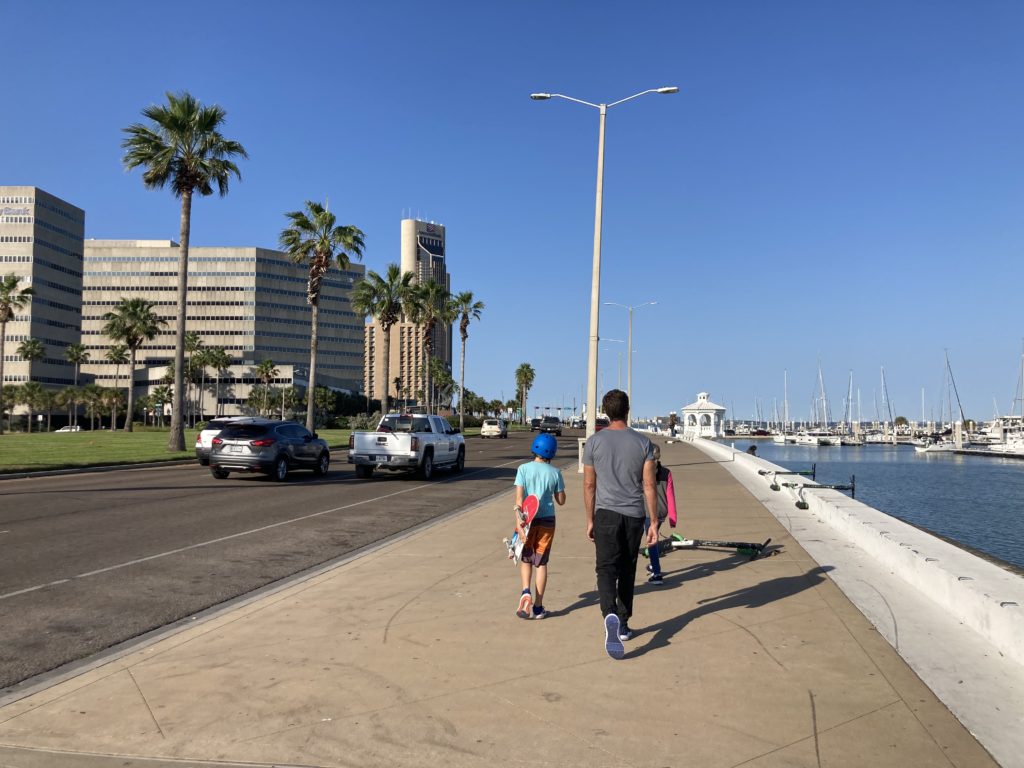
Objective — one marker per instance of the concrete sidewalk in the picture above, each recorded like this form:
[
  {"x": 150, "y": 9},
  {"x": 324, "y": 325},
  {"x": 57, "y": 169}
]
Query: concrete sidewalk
[{"x": 412, "y": 655}]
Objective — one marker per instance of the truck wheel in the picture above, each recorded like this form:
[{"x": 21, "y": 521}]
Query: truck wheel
[
  {"x": 460, "y": 463},
  {"x": 427, "y": 467},
  {"x": 364, "y": 472}
]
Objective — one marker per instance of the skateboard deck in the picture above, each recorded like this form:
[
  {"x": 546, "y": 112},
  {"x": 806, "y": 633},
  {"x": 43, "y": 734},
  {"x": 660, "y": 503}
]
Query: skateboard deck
[{"x": 515, "y": 542}]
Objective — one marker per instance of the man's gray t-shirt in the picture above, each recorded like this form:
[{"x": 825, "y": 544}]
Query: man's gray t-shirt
[{"x": 618, "y": 456}]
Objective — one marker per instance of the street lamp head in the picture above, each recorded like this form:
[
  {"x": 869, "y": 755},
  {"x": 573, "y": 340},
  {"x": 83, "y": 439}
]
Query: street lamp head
[
  {"x": 540, "y": 96},
  {"x": 668, "y": 89}
]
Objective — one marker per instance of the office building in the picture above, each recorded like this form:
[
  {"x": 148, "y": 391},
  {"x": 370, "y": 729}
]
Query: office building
[
  {"x": 250, "y": 301},
  {"x": 423, "y": 254},
  {"x": 41, "y": 240}
]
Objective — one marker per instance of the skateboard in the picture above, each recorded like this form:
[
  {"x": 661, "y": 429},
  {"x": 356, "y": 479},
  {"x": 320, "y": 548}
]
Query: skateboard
[{"x": 514, "y": 544}]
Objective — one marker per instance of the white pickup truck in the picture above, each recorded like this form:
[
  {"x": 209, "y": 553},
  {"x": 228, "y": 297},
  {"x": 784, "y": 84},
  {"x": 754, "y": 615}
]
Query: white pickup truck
[{"x": 408, "y": 442}]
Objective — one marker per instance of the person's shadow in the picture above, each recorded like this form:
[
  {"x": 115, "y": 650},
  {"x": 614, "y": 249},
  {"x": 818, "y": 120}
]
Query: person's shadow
[
  {"x": 754, "y": 596},
  {"x": 673, "y": 579}
]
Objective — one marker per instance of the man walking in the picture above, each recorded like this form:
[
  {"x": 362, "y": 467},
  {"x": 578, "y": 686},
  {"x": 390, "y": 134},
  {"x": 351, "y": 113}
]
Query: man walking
[{"x": 619, "y": 491}]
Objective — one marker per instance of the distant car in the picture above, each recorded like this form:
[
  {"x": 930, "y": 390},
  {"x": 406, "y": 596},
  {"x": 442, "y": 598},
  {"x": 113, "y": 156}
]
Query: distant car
[
  {"x": 212, "y": 428},
  {"x": 534, "y": 425},
  {"x": 271, "y": 447},
  {"x": 494, "y": 428},
  {"x": 600, "y": 424},
  {"x": 551, "y": 425},
  {"x": 70, "y": 428}
]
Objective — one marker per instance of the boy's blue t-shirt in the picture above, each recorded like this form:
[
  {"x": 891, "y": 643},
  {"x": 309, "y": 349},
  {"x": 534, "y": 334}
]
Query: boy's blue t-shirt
[{"x": 540, "y": 479}]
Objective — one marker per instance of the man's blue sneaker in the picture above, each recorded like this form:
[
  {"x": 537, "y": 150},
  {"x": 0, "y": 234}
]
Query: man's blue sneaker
[
  {"x": 612, "y": 643},
  {"x": 539, "y": 612},
  {"x": 625, "y": 633},
  {"x": 655, "y": 580},
  {"x": 650, "y": 568}
]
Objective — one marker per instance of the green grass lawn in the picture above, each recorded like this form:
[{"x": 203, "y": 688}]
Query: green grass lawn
[
  {"x": 39, "y": 451},
  {"x": 51, "y": 450}
]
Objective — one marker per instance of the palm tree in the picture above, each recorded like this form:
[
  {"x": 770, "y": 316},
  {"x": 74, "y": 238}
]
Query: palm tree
[
  {"x": 77, "y": 354},
  {"x": 12, "y": 397},
  {"x": 464, "y": 306},
  {"x": 68, "y": 398},
  {"x": 47, "y": 401},
  {"x": 524, "y": 380},
  {"x": 131, "y": 323},
  {"x": 193, "y": 346},
  {"x": 160, "y": 396},
  {"x": 118, "y": 355},
  {"x": 92, "y": 396},
  {"x": 182, "y": 146},
  {"x": 315, "y": 238},
  {"x": 434, "y": 307},
  {"x": 12, "y": 298},
  {"x": 31, "y": 397},
  {"x": 31, "y": 350},
  {"x": 266, "y": 372},
  {"x": 220, "y": 360},
  {"x": 383, "y": 298}
]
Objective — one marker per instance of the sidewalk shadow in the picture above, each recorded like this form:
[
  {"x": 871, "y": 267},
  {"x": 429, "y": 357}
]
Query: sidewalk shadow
[{"x": 754, "y": 596}]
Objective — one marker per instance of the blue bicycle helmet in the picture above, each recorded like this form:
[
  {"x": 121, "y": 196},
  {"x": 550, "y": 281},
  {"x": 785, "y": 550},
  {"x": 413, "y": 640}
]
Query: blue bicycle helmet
[{"x": 545, "y": 446}]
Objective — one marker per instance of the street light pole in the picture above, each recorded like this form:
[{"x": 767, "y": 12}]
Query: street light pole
[
  {"x": 595, "y": 283},
  {"x": 629, "y": 365}
]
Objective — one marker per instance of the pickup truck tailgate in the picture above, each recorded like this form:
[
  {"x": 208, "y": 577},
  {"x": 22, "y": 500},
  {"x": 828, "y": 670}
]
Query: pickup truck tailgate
[{"x": 380, "y": 443}]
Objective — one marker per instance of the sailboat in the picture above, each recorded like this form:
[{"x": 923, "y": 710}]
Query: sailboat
[
  {"x": 786, "y": 435},
  {"x": 944, "y": 443}
]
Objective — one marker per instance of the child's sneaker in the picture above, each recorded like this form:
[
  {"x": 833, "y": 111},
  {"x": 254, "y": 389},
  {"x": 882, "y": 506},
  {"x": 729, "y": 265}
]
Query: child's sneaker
[
  {"x": 525, "y": 604},
  {"x": 655, "y": 580},
  {"x": 612, "y": 643},
  {"x": 539, "y": 612}
]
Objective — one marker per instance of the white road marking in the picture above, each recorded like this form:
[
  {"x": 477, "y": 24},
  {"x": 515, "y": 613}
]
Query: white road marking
[{"x": 236, "y": 535}]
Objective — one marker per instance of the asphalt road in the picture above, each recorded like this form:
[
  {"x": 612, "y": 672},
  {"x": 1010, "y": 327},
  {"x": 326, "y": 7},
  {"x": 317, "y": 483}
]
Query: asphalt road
[{"x": 90, "y": 560}]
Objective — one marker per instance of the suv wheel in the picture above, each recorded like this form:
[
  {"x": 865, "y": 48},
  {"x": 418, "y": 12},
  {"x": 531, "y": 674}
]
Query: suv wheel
[
  {"x": 427, "y": 467},
  {"x": 323, "y": 464},
  {"x": 204, "y": 462},
  {"x": 280, "y": 469},
  {"x": 460, "y": 462},
  {"x": 220, "y": 474}
]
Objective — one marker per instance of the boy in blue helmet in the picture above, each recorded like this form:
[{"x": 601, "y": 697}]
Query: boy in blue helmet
[{"x": 538, "y": 478}]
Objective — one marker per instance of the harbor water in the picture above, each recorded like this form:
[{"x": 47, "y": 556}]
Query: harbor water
[{"x": 977, "y": 501}]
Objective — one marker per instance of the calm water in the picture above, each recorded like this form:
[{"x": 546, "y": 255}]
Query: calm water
[{"x": 976, "y": 500}]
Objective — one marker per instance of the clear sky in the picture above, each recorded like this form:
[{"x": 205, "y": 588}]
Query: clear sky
[{"x": 841, "y": 182}]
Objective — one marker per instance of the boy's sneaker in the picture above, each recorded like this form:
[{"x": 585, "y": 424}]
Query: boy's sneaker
[
  {"x": 525, "y": 604},
  {"x": 612, "y": 643},
  {"x": 539, "y": 612},
  {"x": 656, "y": 580},
  {"x": 625, "y": 633}
]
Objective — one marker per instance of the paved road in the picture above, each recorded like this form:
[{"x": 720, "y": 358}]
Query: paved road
[{"x": 90, "y": 560}]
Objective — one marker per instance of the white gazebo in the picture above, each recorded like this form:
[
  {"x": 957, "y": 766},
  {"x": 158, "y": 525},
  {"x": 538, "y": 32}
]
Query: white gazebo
[{"x": 703, "y": 418}]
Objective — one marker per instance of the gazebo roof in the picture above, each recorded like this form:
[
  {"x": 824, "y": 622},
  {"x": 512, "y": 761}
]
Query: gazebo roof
[{"x": 703, "y": 404}]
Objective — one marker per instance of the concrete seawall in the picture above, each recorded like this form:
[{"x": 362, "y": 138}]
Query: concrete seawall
[{"x": 956, "y": 618}]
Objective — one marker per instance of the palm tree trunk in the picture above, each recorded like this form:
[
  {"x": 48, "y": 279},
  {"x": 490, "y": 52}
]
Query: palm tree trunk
[
  {"x": 3, "y": 340},
  {"x": 311, "y": 391},
  {"x": 202, "y": 391},
  {"x": 113, "y": 401},
  {"x": 75, "y": 415},
  {"x": 130, "y": 406},
  {"x": 462, "y": 387},
  {"x": 385, "y": 332},
  {"x": 176, "y": 439}
]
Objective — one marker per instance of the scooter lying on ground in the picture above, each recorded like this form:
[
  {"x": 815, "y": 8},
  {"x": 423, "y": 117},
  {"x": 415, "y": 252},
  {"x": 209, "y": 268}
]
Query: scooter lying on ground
[{"x": 750, "y": 549}]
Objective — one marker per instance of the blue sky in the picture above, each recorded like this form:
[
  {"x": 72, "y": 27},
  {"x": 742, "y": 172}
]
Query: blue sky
[{"x": 834, "y": 181}]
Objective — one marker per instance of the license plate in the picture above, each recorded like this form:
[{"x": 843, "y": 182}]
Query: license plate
[{"x": 235, "y": 448}]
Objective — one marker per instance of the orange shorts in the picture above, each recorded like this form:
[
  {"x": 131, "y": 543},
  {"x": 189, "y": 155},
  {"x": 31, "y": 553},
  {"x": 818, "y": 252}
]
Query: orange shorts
[{"x": 538, "y": 542}]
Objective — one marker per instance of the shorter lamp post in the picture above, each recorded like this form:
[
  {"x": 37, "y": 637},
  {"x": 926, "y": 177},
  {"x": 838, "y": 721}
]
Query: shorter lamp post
[{"x": 629, "y": 357}]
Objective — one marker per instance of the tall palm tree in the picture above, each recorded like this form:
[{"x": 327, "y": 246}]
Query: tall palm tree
[
  {"x": 467, "y": 309},
  {"x": 524, "y": 381},
  {"x": 68, "y": 398},
  {"x": 31, "y": 350},
  {"x": 193, "y": 346},
  {"x": 435, "y": 307},
  {"x": 182, "y": 146},
  {"x": 383, "y": 298},
  {"x": 12, "y": 298},
  {"x": 76, "y": 354},
  {"x": 314, "y": 237},
  {"x": 92, "y": 396},
  {"x": 131, "y": 323},
  {"x": 267, "y": 372},
  {"x": 47, "y": 402},
  {"x": 118, "y": 355}
]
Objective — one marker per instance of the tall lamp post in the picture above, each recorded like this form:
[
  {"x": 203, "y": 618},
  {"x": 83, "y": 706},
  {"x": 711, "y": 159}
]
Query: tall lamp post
[
  {"x": 595, "y": 285},
  {"x": 629, "y": 355}
]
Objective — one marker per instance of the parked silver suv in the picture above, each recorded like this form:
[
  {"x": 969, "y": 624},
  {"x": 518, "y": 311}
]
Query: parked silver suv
[
  {"x": 213, "y": 427},
  {"x": 271, "y": 447}
]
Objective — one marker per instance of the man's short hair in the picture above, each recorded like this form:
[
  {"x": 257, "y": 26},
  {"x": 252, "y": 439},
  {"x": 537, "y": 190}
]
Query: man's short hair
[{"x": 615, "y": 404}]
